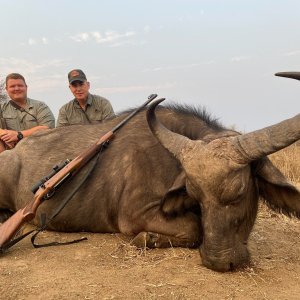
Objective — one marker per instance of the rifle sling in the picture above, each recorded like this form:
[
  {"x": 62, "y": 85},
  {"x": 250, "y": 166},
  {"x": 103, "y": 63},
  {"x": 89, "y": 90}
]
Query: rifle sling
[
  {"x": 14, "y": 241},
  {"x": 44, "y": 224},
  {"x": 20, "y": 108}
]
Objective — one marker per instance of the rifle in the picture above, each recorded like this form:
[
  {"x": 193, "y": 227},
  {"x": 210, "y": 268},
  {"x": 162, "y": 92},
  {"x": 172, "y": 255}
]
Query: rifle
[{"x": 47, "y": 186}]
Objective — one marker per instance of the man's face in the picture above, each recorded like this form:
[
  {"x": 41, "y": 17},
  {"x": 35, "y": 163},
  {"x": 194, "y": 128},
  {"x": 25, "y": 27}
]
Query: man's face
[
  {"x": 16, "y": 89},
  {"x": 80, "y": 89}
]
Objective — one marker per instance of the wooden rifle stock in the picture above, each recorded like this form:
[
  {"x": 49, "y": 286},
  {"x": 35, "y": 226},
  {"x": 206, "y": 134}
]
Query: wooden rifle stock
[
  {"x": 11, "y": 226},
  {"x": 46, "y": 189}
]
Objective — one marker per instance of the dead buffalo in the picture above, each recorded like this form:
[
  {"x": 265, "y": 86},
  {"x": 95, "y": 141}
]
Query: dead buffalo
[{"x": 189, "y": 182}]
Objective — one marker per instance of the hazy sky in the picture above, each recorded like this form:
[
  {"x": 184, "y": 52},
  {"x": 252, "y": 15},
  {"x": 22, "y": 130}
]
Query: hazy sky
[{"x": 221, "y": 54}]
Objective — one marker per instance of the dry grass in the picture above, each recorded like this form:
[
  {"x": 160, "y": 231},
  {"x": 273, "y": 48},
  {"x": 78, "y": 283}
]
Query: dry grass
[
  {"x": 288, "y": 161},
  {"x": 128, "y": 255}
]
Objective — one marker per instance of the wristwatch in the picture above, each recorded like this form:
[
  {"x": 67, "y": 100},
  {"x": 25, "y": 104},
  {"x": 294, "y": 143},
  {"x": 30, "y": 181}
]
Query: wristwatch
[{"x": 20, "y": 135}]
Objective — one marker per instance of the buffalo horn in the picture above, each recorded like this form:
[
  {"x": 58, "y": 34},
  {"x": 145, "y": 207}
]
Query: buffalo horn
[
  {"x": 257, "y": 144},
  {"x": 294, "y": 75},
  {"x": 172, "y": 141}
]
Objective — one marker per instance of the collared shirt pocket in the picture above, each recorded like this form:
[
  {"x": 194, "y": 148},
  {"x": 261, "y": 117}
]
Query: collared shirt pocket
[
  {"x": 75, "y": 119},
  {"x": 29, "y": 121},
  {"x": 96, "y": 116},
  {"x": 11, "y": 121}
]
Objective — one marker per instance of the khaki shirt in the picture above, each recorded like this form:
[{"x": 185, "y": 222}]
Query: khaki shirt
[
  {"x": 97, "y": 109},
  {"x": 39, "y": 114}
]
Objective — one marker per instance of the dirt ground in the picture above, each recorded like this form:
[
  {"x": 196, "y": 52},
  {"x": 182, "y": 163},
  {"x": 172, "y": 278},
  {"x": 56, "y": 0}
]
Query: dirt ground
[{"x": 106, "y": 266}]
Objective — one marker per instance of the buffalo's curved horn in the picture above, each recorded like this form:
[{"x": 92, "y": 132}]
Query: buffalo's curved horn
[
  {"x": 257, "y": 144},
  {"x": 294, "y": 75},
  {"x": 172, "y": 141}
]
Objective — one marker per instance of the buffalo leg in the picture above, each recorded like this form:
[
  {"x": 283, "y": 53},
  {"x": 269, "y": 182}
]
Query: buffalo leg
[
  {"x": 161, "y": 232},
  {"x": 157, "y": 240}
]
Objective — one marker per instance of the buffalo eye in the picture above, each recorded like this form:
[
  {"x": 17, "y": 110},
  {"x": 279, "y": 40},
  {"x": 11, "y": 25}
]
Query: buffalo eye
[{"x": 233, "y": 189}]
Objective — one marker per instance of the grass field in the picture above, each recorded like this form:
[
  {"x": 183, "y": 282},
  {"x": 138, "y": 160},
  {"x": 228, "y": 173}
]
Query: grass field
[{"x": 288, "y": 161}]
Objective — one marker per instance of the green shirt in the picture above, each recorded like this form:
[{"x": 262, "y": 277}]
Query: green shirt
[
  {"x": 97, "y": 109},
  {"x": 36, "y": 113}
]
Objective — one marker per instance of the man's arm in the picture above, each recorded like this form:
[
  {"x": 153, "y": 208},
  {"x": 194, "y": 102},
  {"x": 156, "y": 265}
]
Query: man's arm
[
  {"x": 44, "y": 117},
  {"x": 2, "y": 143},
  {"x": 107, "y": 111},
  {"x": 2, "y": 146},
  {"x": 62, "y": 119},
  {"x": 45, "y": 120},
  {"x": 10, "y": 137},
  {"x": 5, "y": 145}
]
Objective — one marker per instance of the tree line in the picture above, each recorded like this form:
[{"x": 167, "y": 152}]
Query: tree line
[{"x": 3, "y": 95}]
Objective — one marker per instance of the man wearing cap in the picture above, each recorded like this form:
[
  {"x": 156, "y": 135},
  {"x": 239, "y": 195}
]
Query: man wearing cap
[
  {"x": 21, "y": 116},
  {"x": 85, "y": 108}
]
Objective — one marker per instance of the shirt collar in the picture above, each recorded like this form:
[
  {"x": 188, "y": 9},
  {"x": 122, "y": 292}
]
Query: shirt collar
[
  {"x": 28, "y": 104},
  {"x": 88, "y": 102}
]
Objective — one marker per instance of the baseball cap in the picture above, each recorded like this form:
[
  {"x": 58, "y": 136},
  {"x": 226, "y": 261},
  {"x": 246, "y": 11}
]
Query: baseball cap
[{"x": 76, "y": 75}]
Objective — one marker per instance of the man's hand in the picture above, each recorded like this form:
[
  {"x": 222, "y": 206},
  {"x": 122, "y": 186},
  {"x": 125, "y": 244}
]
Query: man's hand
[{"x": 10, "y": 137}]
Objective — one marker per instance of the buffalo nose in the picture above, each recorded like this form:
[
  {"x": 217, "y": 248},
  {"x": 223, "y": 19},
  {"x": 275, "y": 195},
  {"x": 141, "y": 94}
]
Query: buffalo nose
[{"x": 224, "y": 263}]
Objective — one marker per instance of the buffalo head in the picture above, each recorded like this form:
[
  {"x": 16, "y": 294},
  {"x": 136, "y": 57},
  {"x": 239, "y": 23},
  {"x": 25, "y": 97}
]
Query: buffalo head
[{"x": 226, "y": 176}]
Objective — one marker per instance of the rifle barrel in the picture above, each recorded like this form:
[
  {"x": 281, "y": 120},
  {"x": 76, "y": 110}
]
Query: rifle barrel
[{"x": 150, "y": 98}]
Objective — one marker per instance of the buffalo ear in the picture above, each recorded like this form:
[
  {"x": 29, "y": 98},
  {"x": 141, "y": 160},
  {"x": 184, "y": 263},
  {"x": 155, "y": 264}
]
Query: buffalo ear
[
  {"x": 176, "y": 201},
  {"x": 278, "y": 192}
]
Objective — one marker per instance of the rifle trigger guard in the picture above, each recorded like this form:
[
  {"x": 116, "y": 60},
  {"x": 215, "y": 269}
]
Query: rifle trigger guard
[{"x": 49, "y": 195}]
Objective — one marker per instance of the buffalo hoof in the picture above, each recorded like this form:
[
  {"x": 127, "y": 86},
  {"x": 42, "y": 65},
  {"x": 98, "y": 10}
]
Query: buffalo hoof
[{"x": 145, "y": 240}]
